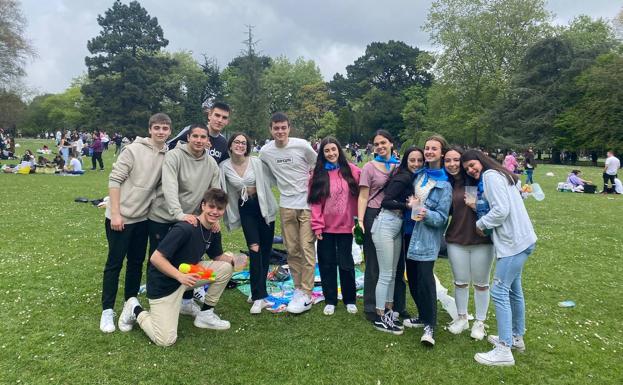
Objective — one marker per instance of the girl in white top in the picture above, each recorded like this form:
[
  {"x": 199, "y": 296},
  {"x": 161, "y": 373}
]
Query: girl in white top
[{"x": 252, "y": 205}]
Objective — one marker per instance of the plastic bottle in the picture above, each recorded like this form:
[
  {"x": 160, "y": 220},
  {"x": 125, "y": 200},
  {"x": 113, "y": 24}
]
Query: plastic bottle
[{"x": 358, "y": 232}]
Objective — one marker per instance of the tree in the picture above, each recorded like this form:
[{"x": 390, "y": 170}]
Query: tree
[
  {"x": 127, "y": 76},
  {"x": 313, "y": 103},
  {"x": 483, "y": 42},
  {"x": 14, "y": 48},
  {"x": 247, "y": 92},
  {"x": 12, "y": 110},
  {"x": 596, "y": 121}
]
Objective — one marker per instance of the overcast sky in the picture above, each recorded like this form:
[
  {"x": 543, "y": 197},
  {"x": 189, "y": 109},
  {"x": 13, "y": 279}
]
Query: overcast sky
[{"x": 332, "y": 33}]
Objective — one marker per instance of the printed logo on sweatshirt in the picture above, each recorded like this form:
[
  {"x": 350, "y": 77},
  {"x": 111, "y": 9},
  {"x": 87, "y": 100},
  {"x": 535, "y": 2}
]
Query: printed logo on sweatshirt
[
  {"x": 284, "y": 160},
  {"x": 214, "y": 153}
]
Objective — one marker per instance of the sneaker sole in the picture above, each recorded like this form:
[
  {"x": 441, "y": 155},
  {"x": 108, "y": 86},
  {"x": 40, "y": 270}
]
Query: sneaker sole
[
  {"x": 108, "y": 331},
  {"x": 428, "y": 343},
  {"x": 394, "y": 332},
  {"x": 457, "y": 333},
  {"x": 297, "y": 311},
  {"x": 477, "y": 338},
  {"x": 493, "y": 363},
  {"x": 211, "y": 327},
  {"x": 412, "y": 326}
]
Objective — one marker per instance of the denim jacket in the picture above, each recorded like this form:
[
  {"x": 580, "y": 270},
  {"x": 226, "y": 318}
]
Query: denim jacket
[{"x": 426, "y": 237}]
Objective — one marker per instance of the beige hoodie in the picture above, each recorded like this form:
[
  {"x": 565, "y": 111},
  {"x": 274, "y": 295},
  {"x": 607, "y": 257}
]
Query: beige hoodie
[
  {"x": 136, "y": 173},
  {"x": 184, "y": 181}
]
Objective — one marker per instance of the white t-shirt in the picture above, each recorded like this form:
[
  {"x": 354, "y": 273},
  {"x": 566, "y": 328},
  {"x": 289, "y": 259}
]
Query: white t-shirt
[
  {"x": 75, "y": 165},
  {"x": 291, "y": 166},
  {"x": 612, "y": 165}
]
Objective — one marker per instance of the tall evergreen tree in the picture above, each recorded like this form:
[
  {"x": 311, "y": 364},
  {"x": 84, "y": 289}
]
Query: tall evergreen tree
[{"x": 126, "y": 73}]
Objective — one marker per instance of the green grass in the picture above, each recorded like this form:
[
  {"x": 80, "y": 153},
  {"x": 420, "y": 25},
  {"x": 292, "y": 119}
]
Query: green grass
[{"x": 52, "y": 253}]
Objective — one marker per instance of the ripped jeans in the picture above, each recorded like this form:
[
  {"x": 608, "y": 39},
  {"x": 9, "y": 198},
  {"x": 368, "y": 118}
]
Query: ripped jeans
[{"x": 507, "y": 295}]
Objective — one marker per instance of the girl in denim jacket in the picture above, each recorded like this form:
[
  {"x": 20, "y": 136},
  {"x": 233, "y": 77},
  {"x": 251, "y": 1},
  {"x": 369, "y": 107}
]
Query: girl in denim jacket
[{"x": 433, "y": 190}]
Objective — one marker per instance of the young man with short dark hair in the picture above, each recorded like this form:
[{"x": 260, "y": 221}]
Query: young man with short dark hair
[
  {"x": 131, "y": 190},
  {"x": 187, "y": 173},
  {"x": 290, "y": 161},
  {"x": 611, "y": 169},
  {"x": 218, "y": 118},
  {"x": 184, "y": 243}
]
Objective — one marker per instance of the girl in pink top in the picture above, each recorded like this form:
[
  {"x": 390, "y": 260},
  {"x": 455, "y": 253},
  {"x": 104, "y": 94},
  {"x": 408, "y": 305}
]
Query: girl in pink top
[
  {"x": 333, "y": 192},
  {"x": 510, "y": 162}
]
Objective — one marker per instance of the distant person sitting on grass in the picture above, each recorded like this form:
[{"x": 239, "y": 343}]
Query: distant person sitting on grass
[
  {"x": 577, "y": 182},
  {"x": 184, "y": 243},
  {"x": 58, "y": 162},
  {"x": 74, "y": 167}
]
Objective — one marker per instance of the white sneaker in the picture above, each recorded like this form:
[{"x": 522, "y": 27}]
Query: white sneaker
[
  {"x": 501, "y": 355},
  {"x": 329, "y": 310},
  {"x": 458, "y": 326},
  {"x": 127, "y": 317},
  {"x": 478, "y": 330},
  {"x": 351, "y": 308},
  {"x": 518, "y": 343},
  {"x": 301, "y": 302},
  {"x": 260, "y": 304},
  {"x": 189, "y": 307},
  {"x": 208, "y": 319},
  {"x": 249, "y": 299},
  {"x": 427, "y": 338},
  {"x": 107, "y": 322}
]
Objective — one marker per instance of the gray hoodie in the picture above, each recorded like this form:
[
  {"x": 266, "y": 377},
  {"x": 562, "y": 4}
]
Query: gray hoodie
[
  {"x": 136, "y": 173},
  {"x": 184, "y": 181}
]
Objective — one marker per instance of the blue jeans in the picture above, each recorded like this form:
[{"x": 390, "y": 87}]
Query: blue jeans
[
  {"x": 529, "y": 172},
  {"x": 507, "y": 295},
  {"x": 387, "y": 237}
]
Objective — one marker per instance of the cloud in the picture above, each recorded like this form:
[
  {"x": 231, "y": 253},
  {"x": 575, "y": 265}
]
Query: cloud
[{"x": 332, "y": 33}]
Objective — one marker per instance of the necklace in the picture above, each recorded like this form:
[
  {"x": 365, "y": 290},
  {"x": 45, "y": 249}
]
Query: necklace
[{"x": 208, "y": 241}]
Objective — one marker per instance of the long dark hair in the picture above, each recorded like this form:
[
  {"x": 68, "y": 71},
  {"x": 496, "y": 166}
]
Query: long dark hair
[
  {"x": 488, "y": 164},
  {"x": 319, "y": 183},
  {"x": 403, "y": 167}
]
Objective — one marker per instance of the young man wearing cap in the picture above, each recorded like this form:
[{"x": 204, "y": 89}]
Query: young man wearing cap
[
  {"x": 131, "y": 190},
  {"x": 184, "y": 243},
  {"x": 290, "y": 160}
]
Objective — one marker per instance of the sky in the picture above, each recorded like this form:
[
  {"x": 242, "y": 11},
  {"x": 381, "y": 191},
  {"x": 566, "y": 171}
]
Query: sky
[{"x": 332, "y": 33}]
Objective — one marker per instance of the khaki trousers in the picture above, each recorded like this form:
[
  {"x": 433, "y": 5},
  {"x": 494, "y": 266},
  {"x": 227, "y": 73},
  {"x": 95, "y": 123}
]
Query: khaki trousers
[
  {"x": 299, "y": 239},
  {"x": 160, "y": 322}
]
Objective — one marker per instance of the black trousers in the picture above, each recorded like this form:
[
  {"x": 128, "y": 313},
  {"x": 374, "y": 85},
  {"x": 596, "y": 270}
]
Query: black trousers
[
  {"x": 130, "y": 243},
  {"x": 371, "y": 274},
  {"x": 97, "y": 156},
  {"x": 423, "y": 289},
  {"x": 608, "y": 177},
  {"x": 256, "y": 231},
  {"x": 335, "y": 252}
]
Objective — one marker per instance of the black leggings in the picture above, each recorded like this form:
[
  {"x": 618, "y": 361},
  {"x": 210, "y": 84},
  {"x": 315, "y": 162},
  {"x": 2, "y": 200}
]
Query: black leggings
[
  {"x": 256, "y": 231},
  {"x": 423, "y": 289},
  {"x": 97, "y": 156}
]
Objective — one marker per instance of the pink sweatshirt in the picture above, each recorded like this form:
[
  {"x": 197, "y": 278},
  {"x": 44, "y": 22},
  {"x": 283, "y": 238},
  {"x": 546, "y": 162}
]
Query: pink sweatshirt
[{"x": 335, "y": 214}]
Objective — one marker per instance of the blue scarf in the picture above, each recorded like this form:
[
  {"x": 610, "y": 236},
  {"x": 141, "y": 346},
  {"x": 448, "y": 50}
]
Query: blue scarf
[
  {"x": 331, "y": 166},
  {"x": 481, "y": 187},
  {"x": 438, "y": 174},
  {"x": 387, "y": 162}
]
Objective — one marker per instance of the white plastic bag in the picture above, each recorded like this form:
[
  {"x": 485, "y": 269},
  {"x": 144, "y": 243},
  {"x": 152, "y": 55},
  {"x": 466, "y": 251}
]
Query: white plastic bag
[{"x": 357, "y": 253}]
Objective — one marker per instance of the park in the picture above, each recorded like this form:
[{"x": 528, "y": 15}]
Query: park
[{"x": 556, "y": 88}]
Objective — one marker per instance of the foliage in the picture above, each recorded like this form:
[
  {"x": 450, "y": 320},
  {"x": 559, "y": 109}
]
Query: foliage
[
  {"x": 15, "y": 49},
  {"x": 483, "y": 42},
  {"x": 246, "y": 91},
  {"x": 127, "y": 76},
  {"x": 12, "y": 110},
  {"x": 52, "y": 261},
  {"x": 596, "y": 121}
]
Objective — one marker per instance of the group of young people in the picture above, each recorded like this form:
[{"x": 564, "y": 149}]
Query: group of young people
[{"x": 175, "y": 199}]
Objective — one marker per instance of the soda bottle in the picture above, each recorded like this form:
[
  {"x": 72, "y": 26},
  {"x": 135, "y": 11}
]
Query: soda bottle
[{"x": 358, "y": 232}]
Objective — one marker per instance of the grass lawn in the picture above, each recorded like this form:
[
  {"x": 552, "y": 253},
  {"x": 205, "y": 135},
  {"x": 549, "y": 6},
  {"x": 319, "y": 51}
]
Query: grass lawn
[{"x": 52, "y": 253}]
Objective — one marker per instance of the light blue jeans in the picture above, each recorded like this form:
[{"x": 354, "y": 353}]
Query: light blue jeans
[
  {"x": 387, "y": 237},
  {"x": 507, "y": 295}
]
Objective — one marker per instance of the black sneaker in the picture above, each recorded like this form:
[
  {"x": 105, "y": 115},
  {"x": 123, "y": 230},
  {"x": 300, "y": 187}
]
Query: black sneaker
[
  {"x": 413, "y": 323},
  {"x": 385, "y": 324},
  {"x": 395, "y": 318}
]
